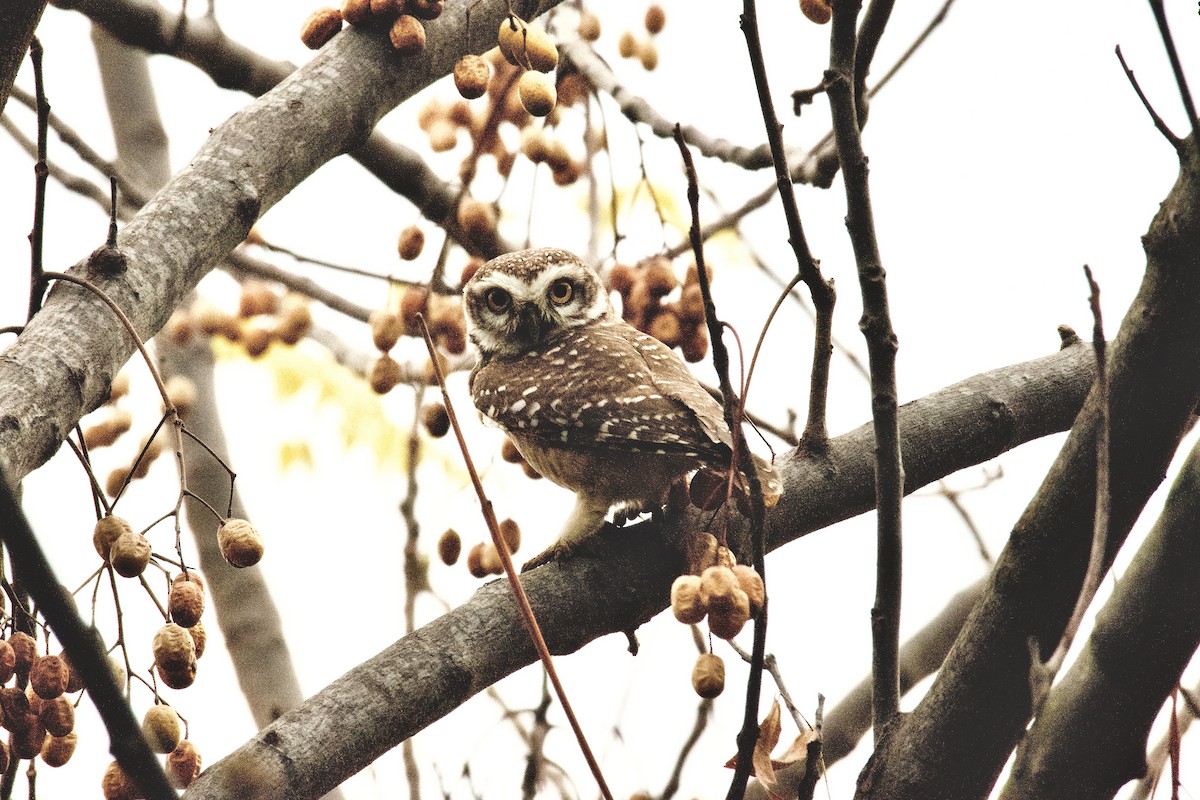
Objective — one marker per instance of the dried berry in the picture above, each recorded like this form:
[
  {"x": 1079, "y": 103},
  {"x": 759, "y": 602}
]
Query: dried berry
[
  {"x": 449, "y": 547},
  {"x": 385, "y": 374},
  {"x": 589, "y": 26},
  {"x": 130, "y": 554},
  {"x": 48, "y": 677},
  {"x": 407, "y": 35},
  {"x": 471, "y": 76},
  {"x": 656, "y": 18},
  {"x": 25, "y": 648},
  {"x": 106, "y": 432},
  {"x": 15, "y": 705},
  {"x": 57, "y": 750},
  {"x": 356, "y": 11},
  {"x": 469, "y": 269},
  {"x": 752, "y": 584},
  {"x": 199, "y": 638},
  {"x": 726, "y": 623},
  {"x": 386, "y": 9},
  {"x": 295, "y": 319},
  {"x": 108, "y": 530},
  {"x": 173, "y": 648},
  {"x": 475, "y": 561},
  {"x": 411, "y": 242},
  {"x": 386, "y": 329},
  {"x": 162, "y": 728},
  {"x": 510, "y": 532},
  {"x": 627, "y": 45},
  {"x": 685, "y": 599},
  {"x": 533, "y": 144},
  {"x": 321, "y": 26},
  {"x": 476, "y": 218},
  {"x": 185, "y": 602},
  {"x": 241, "y": 545},
  {"x": 8, "y": 662},
  {"x": 718, "y": 585},
  {"x": 74, "y": 679},
  {"x": 257, "y": 298},
  {"x": 414, "y": 301},
  {"x": 818, "y": 11},
  {"x": 116, "y": 785},
  {"x": 526, "y": 45},
  {"x": 708, "y": 676},
  {"x": 183, "y": 764},
  {"x": 648, "y": 55},
  {"x": 256, "y": 338},
  {"x": 57, "y": 716},
  {"x": 537, "y": 93},
  {"x": 695, "y": 347},
  {"x": 666, "y": 328},
  {"x": 707, "y": 490},
  {"x": 435, "y": 419},
  {"x": 27, "y": 741}
]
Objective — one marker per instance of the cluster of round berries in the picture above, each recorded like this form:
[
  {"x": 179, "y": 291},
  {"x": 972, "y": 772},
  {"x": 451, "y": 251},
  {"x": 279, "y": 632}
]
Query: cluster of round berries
[
  {"x": 403, "y": 18},
  {"x": 725, "y": 592},
  {"x": 263, "y": 317},
  {"x": 650, "y": 303},
  {"x": 447, "y": 325},
  {"x": 482, "y": 559},
  {"x": 629, "y": 46},
  {"x": 40, "y": 719}
]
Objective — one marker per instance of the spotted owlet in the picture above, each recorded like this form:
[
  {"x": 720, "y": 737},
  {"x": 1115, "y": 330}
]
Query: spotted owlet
[{"x": 592, "y": 403}]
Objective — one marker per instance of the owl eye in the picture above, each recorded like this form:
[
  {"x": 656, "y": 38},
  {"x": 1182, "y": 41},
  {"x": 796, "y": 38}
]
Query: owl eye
[
  {"x": 498, "y": 300},
  {"x": 561, "y": 292}
]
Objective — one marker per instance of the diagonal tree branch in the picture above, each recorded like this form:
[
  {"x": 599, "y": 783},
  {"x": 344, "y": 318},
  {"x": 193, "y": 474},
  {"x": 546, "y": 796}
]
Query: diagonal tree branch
[
  {"x": 427, "y": 674},
  {"x": 62, "y": 364}
]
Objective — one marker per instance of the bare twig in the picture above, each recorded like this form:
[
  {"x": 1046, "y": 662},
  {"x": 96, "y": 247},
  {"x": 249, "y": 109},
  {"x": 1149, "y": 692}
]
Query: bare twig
[
  {"x": 1096, "y": 558},
  {"x": 741, "y": 460},
  {"x": 37, "y": 282},
  {"x": 1158, "y": 121},
  {"x": 816, "y": 434},
  {"x": 1185, "y": 95},
  {"x": 881, "y": 351},
  {"x": 514, "y": 581}
]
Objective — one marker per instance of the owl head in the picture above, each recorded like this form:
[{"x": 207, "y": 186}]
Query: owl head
[{"x": 515, "y": 302}]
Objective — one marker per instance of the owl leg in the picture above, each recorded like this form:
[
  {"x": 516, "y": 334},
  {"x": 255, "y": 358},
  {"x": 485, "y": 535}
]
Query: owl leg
[{"x": 586, "y": 519}]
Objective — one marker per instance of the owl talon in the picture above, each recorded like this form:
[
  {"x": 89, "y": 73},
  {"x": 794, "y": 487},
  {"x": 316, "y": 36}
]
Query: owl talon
[{"x": 547, "y": 556}]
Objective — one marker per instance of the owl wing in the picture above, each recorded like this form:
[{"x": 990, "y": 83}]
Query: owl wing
[{"x": 603, "y": 385}]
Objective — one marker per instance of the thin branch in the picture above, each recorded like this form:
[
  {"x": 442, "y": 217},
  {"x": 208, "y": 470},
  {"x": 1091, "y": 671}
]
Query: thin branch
[
  {"x": 816, "y": 434},
  {"x": 514, "y": 580},
  {"x": 1158, "y": 121},
  {"x": 37, "y": 282},
  {"x": 881, "y": 350},
  {"x": 1185, "y": 95},
  {"x": 1096, "y": 557},
  {"x": 741, "y": 460}
]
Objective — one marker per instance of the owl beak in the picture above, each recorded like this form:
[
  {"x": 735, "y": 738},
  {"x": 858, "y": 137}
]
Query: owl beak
[{"x": 530, "y": 325}]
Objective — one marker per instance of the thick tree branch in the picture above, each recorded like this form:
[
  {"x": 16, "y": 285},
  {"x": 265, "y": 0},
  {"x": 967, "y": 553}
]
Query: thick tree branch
[
  {"x": 1090, "y": 737},
  {"x": 61, "y": 366},
  {"x": 429, "y": 673},
  {"x": 956, "y": 741}
]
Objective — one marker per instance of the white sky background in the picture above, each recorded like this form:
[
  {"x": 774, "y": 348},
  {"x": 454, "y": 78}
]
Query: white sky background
[{"x": 1008, "y": 153}]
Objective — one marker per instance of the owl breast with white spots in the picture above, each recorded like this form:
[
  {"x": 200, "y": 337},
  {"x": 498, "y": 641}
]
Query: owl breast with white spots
[{"x": 591, "y": 402}]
